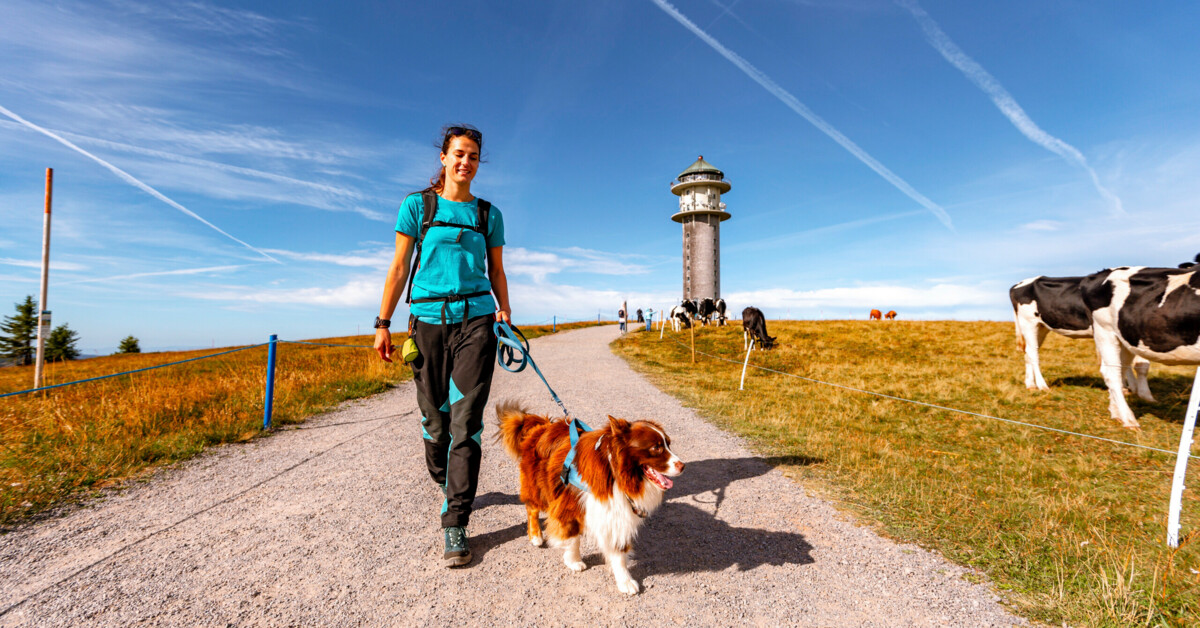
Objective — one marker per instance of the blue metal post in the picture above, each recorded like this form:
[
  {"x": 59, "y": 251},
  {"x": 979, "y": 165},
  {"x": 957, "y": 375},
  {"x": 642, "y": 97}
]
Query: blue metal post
[
  {"x": 554, "y": 324},
  {"x": 270, "y": 393}
]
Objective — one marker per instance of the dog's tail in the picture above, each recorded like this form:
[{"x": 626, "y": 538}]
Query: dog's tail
[{"x": 515, "y": 423}]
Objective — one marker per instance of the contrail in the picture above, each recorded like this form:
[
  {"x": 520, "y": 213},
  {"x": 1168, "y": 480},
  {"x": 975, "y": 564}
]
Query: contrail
[
  {"x": 1004, "y": 100},
  {"x": 185, "y": 271},
  {"x": 806, "y": 113},
  {"x": 128, "y": 178}
]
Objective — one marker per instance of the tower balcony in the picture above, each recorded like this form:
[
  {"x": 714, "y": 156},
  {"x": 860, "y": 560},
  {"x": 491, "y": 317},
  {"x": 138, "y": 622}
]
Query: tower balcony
[
  {"x": 692, "y": 180},
  {"x": 687, "y": 214}
]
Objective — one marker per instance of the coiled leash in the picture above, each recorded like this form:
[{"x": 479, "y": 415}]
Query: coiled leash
[{"x": 513, "y": 348}]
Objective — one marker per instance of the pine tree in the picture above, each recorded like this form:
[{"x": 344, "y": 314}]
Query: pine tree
[
  {"x": 17, "y": 333},
  {"x": 129, "y": 345},
  {"x": 61, "y": 344}
]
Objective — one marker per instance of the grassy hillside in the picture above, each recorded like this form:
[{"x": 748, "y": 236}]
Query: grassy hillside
[
  {"x": 1074, "y": 529},
  {"x": 55, "y": 444}
]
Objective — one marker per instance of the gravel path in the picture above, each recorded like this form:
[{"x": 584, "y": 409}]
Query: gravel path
[{"x": 335, "y": 523}]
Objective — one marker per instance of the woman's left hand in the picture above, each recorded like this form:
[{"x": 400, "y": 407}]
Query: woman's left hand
[{"x": 504, "y": 314}]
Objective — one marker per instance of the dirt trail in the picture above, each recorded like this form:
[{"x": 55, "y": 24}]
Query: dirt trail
[{"x": 335, "y": 523}]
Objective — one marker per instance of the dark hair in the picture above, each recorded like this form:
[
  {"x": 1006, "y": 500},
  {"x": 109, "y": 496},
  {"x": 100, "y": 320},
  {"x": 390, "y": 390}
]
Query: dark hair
[{"x": 449, "y": 132}]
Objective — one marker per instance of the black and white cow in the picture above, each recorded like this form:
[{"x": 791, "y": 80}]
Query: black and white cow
[
  {"x": 754, "y": 326},
  {"x": 1152, "y": 313},
  {"x": 1055, "y": 304},
  {"x": 681, "y": 315},
  {"x": 705, "y": 309},
  {"x": 720, "y": 305}
]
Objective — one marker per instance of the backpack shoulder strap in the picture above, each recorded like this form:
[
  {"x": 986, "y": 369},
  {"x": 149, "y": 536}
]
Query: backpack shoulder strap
[
  {"x": 481, "y": 221},
  {"x": 429, "y": 203}
]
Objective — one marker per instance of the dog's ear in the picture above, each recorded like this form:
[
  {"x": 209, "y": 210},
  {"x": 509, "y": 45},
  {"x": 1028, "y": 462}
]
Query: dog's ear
[{"x": 617, "y": 426}]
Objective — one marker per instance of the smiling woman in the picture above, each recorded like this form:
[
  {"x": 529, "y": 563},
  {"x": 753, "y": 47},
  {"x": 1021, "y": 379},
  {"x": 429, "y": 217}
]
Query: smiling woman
[{"x": 459, "y": 241}]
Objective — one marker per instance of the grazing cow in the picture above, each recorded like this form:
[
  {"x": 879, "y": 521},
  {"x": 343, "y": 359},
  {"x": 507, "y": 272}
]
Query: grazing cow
[
  {"x": 754, "y": 325},
  {"x": 891, "y": 315},
  {"x": 1195, "y": 262},
  {"x": 720, "y": 305},
  {"x": 1152, "y": 313},
  {"x": 705, "y": 311},
  {"x": 679, "y": 316},
  {"x": 876, "y": 315},
  {"x": 1055, "y": 304}
]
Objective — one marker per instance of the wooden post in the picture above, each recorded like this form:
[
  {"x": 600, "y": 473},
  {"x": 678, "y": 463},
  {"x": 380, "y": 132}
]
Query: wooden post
[
  {"x": 44, "y": 314},
  {"x": 693, "y": 328}
]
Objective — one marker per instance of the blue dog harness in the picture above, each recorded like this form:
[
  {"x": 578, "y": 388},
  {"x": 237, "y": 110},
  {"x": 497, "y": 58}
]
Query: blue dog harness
[{"x": 513, "y": 348}]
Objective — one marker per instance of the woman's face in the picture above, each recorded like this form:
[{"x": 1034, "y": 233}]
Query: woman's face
[{"x": 461, "y": 159}]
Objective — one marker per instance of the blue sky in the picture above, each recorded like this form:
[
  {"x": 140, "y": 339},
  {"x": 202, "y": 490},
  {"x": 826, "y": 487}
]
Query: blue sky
[{"x": 247, "y": 160}]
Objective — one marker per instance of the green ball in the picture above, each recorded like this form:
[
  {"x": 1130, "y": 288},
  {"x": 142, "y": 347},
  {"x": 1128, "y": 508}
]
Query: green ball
[{"x": 409, "y": 350}]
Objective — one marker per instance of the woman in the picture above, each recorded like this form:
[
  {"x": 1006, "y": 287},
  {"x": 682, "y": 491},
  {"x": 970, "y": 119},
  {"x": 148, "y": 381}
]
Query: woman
[{"x": 450, "y": 319}]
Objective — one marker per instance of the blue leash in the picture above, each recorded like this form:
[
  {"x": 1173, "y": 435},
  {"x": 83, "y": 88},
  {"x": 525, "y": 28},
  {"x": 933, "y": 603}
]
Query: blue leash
[{"x": 513, "y": 348}]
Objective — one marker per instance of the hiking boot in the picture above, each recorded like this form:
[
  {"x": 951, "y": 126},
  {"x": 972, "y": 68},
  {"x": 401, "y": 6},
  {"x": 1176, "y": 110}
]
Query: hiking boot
[{"x": 458, "y": 551}]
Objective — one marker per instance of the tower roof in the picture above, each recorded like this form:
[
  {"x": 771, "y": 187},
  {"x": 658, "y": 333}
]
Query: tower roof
[{"x": 701, "y": 166}]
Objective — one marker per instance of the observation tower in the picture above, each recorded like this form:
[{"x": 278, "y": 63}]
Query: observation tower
[{"x": 701, "y": 212}]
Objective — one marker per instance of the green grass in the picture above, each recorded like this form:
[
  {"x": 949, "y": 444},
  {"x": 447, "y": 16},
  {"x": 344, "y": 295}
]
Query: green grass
[{"x": 1071, "y": 529}]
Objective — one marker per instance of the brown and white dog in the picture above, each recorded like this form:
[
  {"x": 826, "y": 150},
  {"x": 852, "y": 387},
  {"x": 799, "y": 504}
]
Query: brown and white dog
[{"x": 626, "y": 465}]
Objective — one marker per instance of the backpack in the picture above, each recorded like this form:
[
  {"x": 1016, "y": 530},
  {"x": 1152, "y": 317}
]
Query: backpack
[{"x": 429, "y": 199}]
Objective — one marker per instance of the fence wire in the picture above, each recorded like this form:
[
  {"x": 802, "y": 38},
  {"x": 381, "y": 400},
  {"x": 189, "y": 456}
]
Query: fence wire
[{"x": 937, "y": 407}]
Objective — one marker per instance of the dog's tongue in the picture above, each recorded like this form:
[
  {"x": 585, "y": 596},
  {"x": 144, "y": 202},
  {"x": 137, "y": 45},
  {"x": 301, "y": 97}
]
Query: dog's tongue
[{"x": 661, "y": 480}]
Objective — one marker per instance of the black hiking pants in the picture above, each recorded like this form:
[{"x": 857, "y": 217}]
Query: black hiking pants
[{"x": 453, "y": 375}]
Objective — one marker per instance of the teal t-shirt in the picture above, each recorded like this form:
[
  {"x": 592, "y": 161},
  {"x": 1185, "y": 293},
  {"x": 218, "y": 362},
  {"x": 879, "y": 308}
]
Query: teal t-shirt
[{"x": 453, "y": 260}]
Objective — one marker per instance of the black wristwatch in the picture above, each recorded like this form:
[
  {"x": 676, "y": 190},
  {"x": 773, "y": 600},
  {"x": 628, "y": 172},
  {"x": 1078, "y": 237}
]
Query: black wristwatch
[{"x": 382, "y": 322}]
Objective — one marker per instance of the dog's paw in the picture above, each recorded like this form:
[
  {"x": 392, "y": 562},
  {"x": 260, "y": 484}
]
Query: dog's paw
[
  {"x": 575, "y": 565},
  {"x": 628, "y": 587},
  {"x": 537, "y": 541}
]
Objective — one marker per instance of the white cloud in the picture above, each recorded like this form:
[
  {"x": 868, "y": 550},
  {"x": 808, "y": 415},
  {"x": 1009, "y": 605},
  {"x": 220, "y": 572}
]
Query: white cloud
[
  {"x": 161, "y": 273},
  {"x": 354, "y": 293},
  {"x": 1041, "y": 225},
  {"x": 377, "y": 259},
  {"x": 68, "y": 266},
  {"x": 540, "y": 264}
]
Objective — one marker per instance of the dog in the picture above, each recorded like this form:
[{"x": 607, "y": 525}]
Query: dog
[{"x": 626, "y": 465}]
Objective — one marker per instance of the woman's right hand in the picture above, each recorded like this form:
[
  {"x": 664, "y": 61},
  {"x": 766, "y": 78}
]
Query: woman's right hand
[{"x": 383, "y": 344}]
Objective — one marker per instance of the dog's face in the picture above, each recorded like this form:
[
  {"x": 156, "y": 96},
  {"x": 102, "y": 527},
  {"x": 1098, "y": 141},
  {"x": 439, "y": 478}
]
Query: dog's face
[{"x": 649, "y": 446}]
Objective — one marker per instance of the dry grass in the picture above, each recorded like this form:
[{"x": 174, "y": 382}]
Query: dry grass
[
  {"x": 1074, "y": 529},
  {"x": 65, "y": 441}
]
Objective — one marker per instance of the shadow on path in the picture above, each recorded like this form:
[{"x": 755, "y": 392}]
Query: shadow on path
[{"x": 682, "y": 538}]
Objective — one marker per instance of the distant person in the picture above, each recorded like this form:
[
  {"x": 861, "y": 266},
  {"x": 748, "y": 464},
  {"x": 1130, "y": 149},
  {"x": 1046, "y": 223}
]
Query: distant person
[
  {"x": 450, "y": 320},
  {"x": 641, "y": 318},
  {"x": 621, "y": 319}
]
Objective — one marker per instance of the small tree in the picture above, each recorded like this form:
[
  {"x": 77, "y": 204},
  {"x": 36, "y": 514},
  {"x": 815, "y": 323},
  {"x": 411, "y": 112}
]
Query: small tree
[
  {"x": 17, "y": 333},
  {"x": 129, "y": 345},
  {"x": 61, "y": 344}
]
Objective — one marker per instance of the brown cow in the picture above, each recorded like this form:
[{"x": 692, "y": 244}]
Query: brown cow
[
  {"x": 891, "y": 316},
  {"x": 876, "y": 315}
]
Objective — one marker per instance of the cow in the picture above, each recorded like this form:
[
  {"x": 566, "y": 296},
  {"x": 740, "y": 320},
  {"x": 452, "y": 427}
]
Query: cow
[
  {"x": 754, "y": 327},
  {"x": 1055, "y": 304},
  {"x": 891, "y": 315},
  {"x": 720, "y": 305},
  {"x": 705, "y": 310},
  {"x": 679, "y": 315},
  {"x": 1151, "y": 313},
  {"x": 876, "y": 315}
]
